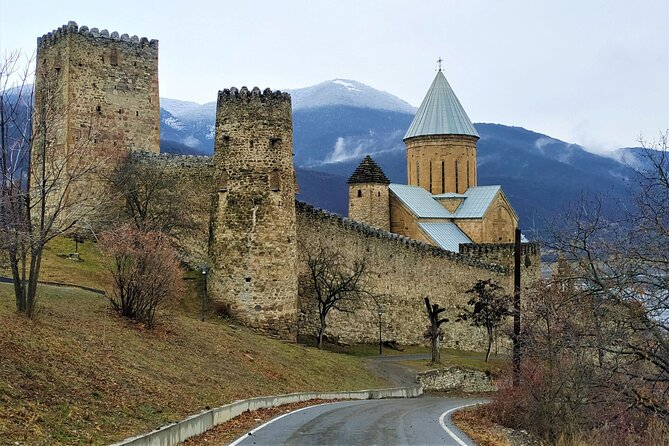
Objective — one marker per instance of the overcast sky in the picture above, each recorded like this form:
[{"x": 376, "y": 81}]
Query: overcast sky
[{"x": 590, "y": 72}]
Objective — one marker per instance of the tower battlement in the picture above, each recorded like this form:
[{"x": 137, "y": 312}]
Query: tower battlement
[
  {"x": 93, "y": 33},
  {"x": 234, "y": 94}
]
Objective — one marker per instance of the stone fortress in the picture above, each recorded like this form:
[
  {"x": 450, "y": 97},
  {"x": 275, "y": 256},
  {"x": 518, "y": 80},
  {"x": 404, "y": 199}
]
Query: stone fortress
[{"x": 434, "y": 237}]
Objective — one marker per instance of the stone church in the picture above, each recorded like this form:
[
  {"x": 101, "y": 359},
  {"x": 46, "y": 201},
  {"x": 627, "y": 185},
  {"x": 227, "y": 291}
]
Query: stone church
[{"x": 442, "y": 205}]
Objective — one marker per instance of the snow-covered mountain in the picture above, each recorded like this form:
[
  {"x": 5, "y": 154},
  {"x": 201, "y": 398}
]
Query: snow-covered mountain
[{"x": 349, "y": 93}]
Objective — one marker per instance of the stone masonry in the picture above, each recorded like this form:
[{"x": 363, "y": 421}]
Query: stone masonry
[{"x": 253, "y": 237}]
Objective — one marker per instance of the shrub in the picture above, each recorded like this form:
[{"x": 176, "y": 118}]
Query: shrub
[{"x": 145, "y": 272}]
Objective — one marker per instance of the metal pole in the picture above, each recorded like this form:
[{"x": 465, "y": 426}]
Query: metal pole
[
  {"x": 516, "y": 310},
  {"x": 204, "y": 293},
  {"x": 380, "y": 352}
]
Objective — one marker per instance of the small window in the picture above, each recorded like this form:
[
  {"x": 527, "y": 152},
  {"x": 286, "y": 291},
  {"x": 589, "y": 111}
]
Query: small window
[
  {"x": 98, "y": 109},
  {"x": 359, "y": 193},
  {"x": 223, "y": 182},
  {"x": 274, "y": 142},
  {"x": 136, "y": 113},
  {"x": 120, "y": 111},
  {"x": 113, "y": 57},
  {"x": 378, "y": 194},
  {"x": 275, "y": 181}
]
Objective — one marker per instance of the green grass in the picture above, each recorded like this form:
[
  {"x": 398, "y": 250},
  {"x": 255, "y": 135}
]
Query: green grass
[
  {"x": 470, "y": 360},
  {"x": 88, "y": 271},
  {"x": 363, "y": 350},
  {"x": 82, "y": 375}
]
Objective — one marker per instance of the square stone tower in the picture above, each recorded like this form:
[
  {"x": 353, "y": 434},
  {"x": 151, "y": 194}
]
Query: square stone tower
[
  {"x": 253, "y": 235},
  {"x": 103, "y": 88}
]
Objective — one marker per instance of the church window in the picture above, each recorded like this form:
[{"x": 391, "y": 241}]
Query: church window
[
  {"x": 457, "y": 189},
  {"x": 359, "y": 193},
  {"x": 468, "y": 183},
  {"x": 275, "y": 181},
  {"x": 430, "y": 176},
  {"x": 443, "y": 177},
  {"x": 417, "y": 172}
]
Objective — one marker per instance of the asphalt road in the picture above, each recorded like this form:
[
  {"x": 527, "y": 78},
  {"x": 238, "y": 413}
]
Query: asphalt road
[{"x": 414, "y": 421}]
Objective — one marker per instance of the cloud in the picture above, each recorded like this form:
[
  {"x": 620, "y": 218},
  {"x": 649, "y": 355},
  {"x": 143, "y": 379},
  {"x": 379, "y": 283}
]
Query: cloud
[{"x": 342, "y": 151}]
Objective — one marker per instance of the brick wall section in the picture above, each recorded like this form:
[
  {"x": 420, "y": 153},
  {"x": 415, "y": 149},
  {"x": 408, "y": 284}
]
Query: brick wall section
[
  {"x": 253, "y": 239},
  {"x": 405, "y": 271}
]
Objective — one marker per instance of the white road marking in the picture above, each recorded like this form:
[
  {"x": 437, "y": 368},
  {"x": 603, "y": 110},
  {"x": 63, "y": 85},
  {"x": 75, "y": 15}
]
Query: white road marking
[
  {"x": 248, "y": 434},
  {"x": 443, "y": 416}
]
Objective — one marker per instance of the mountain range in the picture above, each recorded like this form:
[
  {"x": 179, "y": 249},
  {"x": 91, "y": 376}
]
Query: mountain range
[{"x": 336, "y": 123}]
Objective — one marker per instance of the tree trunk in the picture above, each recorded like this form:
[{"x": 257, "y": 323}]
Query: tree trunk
[
  {"x": 321, "y": 332},
  {"x": 435, "y": 347},
  {"x": 487, "y": 355}
]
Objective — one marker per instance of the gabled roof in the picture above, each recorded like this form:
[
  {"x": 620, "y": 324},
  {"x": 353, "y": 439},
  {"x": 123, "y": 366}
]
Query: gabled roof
[
  {"x": 419, "y": 201},
  {"x": 440, "y": 113},
  {"x": 446, "y": 235},
  {"x": 422, "y": 204},
  {"x": 477, "y": 202},
  {"x": 368, "y": 172}
]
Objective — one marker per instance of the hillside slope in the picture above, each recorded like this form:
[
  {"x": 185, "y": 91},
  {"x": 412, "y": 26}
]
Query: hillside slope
[{"x": 82, "y": 375}]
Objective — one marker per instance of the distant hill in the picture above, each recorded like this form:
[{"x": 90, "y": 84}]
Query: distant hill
[{"x": 336, "y": 123}]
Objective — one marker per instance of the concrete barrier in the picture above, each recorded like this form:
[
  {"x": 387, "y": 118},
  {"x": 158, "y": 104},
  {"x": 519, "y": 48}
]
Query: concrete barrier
[{"x": 175, "y": 433}]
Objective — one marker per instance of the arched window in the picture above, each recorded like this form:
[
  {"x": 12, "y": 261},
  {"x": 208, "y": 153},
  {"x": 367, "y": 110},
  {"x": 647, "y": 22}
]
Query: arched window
[
  {"x": 457, "y": 189},
  {"x": 275, "y": 181}
]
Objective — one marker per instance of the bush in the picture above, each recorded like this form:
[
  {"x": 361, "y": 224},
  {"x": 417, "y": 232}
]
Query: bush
[{"x": 145, "y": 272}]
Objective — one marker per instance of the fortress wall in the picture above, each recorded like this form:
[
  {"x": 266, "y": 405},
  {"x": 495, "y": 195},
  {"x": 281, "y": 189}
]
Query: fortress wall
[
  {"x": 403, "y": 270},
  {"x": 194, "y": 177}
]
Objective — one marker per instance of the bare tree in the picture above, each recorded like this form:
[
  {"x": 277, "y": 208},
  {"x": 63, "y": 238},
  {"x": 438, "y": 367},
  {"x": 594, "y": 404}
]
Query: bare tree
[
  {"x": 39, "y": 199},
  {"x": 490, "y": 306},
  {"x": 145, "y": 272},
  {"x": 150, "y": 197},
  {"x": 334, "y": 282},
  {"x": 433, "y": 332}
]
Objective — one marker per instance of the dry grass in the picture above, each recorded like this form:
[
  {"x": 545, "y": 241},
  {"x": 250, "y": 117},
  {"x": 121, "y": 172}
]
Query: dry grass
[
  {"x": 479, "y": 428},
  {"x": 81, "y": 375}
]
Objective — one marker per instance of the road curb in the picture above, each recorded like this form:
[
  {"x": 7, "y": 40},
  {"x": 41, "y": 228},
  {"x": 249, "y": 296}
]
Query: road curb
[{"x": 175, "y": 433}]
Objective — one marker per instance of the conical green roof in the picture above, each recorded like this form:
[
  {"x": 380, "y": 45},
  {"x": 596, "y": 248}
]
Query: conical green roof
[{"x": 440, "y": 113}]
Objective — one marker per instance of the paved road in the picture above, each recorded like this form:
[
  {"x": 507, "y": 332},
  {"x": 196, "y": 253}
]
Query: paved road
[
  {"x": 413, "y": 421},
  {"x": 399, "y": 375}
]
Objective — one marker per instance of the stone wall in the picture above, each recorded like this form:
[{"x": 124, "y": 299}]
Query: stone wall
[
  {"x": 403, "y": 272},
  {"x": 108, "y": 87},
  {"x": 368, "y": 203},
  {"x": 253, "y": 238},
  {"x": 456, "y": 379}
]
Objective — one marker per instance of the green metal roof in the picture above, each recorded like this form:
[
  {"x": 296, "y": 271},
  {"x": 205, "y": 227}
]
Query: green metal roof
[
  {"x": 419, "y": 201},
  {"x": 440, "y": 113},
  {"x": 447, "y": 235}
]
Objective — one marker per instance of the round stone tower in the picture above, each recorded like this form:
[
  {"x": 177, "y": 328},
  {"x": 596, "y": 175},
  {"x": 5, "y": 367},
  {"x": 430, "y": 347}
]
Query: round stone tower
[
  {"x": 253, "y": 237},
  {"x": 368, "y": 200},
  {"x": 441, "y": 143}
]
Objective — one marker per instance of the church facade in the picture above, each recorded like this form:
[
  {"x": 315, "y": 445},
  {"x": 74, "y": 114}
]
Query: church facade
[{"x": 442, "y": 204}]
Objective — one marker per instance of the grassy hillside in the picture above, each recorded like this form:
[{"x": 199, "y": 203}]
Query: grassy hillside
[{"x": 80, "y": 374}]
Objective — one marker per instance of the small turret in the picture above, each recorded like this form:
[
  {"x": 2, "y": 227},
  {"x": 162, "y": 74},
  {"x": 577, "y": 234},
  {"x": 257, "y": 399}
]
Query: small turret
[{"x": 368, "y": 199}]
